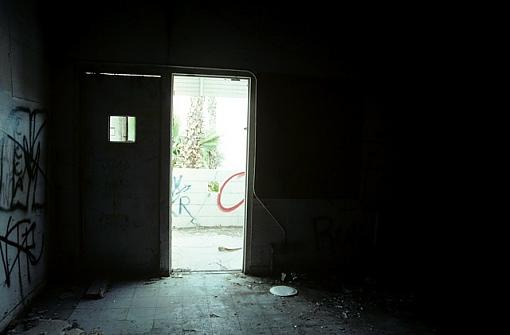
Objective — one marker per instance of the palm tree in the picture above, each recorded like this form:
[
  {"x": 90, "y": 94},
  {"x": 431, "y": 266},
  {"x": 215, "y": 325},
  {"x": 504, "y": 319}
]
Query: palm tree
[{"x": 196, "y": 149}]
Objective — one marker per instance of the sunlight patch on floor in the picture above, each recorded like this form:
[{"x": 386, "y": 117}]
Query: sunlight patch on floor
[{"x": 207, "y": 249}]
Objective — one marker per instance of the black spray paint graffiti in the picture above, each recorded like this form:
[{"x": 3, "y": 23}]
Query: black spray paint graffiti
[
  {"x": 178, "y": 190},
  {"x": 20, "y": 155},
  {"x": 343, "y": 240},
  {"x": 22, "y": 181},
  {"x": 19, "y": 235}
]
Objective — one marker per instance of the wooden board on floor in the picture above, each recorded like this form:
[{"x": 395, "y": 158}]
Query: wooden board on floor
[{"x": 97, "y": 289}]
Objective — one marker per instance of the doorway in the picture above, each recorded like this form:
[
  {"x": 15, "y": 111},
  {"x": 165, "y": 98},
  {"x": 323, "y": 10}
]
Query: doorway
[{"x": 209, "y": 154}]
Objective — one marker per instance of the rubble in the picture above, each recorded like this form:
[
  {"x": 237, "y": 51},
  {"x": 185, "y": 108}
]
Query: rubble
[
  {"x": 220, "y": 248},
  {"x": 46, "y": 327},
  {"x": 97, "y": 289}
]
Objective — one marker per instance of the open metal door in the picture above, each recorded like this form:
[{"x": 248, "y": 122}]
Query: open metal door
[{"x": 123, "y": 182}]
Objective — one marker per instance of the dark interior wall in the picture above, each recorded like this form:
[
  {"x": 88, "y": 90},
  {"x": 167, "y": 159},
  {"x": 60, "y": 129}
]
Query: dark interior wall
[
  {"x": 24, "y": 185},
  {"x": 337, "y": 118},
  {"x": 310, "y": 132}
]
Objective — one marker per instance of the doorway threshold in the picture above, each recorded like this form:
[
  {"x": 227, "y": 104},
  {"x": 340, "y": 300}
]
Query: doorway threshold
[{"x": 185, "y": 271}]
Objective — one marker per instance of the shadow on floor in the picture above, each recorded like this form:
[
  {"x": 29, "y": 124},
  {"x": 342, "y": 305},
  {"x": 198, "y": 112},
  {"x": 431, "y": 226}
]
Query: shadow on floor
[{"x": 222, "y": 303}]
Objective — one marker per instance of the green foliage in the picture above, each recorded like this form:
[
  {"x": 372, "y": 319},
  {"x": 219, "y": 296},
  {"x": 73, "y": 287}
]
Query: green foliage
[
  {"x": 211, "y": 157},
  {"x": 213, "y": 186},
  {"x": 176, "y": 141},
  {"x": 196, "y": 149}
]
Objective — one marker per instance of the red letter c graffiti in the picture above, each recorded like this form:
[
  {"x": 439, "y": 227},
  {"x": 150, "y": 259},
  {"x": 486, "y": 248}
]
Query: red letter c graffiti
[{"x": 220, "y": 205}]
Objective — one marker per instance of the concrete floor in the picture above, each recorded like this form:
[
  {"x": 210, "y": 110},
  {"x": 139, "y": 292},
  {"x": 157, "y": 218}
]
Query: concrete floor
[
  {"x": 213, "y": 303},
  {"x": 196, "y": 249}
]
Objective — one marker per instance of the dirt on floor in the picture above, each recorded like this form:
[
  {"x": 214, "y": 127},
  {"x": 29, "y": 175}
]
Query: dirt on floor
[{"x": 325, "y": 304}]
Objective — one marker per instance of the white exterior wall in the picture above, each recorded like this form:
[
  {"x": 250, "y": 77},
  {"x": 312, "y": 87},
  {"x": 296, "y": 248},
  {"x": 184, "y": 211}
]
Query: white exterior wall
[{"x": 194, "y": 205}]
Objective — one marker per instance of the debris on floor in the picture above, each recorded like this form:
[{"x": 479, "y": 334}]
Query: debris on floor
[
  {"x": 220, "y": 248},
  {"x": 324, "y": 305},
  {"x": 67, "y": 295},
  {"x": 283, "y": 276},
  {"x": 25, "y": 324},
  {"x": 205, "y": 248},
  {"x": 283, "y": 291},
  {"x": 179, "y": 272},
  {"x": 222, "y": 267},
  {"x": 45, "y": 327},
  {"x": 151, "y": 281},
  {"x": 97, "y": 289},
  {"x": 288, "y": 277}
]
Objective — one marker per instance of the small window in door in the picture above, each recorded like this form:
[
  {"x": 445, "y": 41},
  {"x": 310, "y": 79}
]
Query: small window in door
[{"x": 122, "y": 129}]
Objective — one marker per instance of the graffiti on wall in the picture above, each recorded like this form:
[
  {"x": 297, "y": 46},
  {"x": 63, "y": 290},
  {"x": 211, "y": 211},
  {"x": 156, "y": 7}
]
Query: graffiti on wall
[
  {"x": 20, "y": 155},
  {"x": 218, "y": 201},
  {"x": 20, "y": 236},
  {"x": 341, "y": 239},
  {"x": 207, "y": 197},
  {"x": 179, "y": 190},
  {"x": 22, "y": 181}
]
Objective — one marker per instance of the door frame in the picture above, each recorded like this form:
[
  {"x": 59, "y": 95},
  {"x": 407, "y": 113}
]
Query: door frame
[{"x": 166, "y": 72}]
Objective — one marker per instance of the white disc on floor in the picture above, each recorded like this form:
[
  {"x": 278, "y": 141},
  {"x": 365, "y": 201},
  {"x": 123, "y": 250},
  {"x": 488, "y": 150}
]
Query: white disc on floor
[{"x": 283, "y": 291}]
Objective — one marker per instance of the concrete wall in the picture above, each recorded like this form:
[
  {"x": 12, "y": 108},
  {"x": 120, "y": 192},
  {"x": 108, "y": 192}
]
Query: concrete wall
[
  {"x": 331, "y": 107},
  {"x": 194, "y": 204},
  {"x": 23, "y": 152},
  {"x": 309, "y": 105}
]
